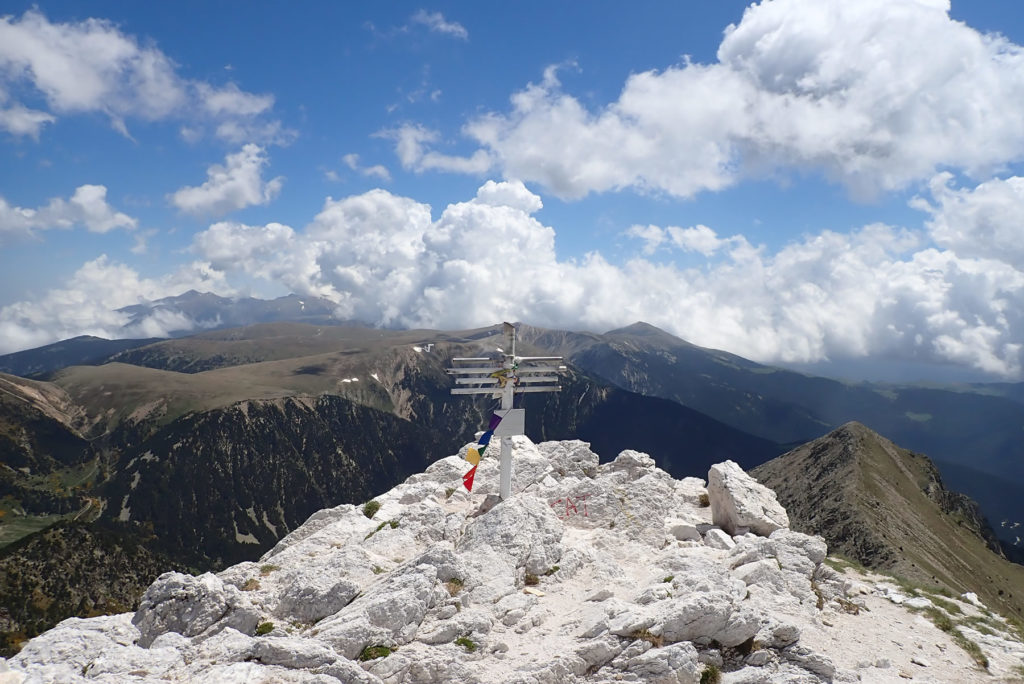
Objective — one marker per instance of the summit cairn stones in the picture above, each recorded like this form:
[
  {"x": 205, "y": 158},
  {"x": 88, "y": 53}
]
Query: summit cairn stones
[{"x": 739, "y": 501}]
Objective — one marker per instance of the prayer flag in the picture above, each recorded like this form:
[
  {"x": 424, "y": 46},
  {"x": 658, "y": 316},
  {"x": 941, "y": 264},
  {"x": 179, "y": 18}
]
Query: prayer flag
[
  {"x": 485, "y": 438},
  {"x": 495, "y": 419},
  {"x": 473, "y": 456},
  {"x": 467, "y": 479}
]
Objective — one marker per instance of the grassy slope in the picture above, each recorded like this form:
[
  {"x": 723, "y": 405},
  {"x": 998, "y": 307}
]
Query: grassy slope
[{"x": 870, "y": 503}]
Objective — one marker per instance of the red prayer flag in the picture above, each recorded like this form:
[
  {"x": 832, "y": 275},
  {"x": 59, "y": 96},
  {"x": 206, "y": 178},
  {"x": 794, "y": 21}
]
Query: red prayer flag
[{"x": 467, "y": 479}]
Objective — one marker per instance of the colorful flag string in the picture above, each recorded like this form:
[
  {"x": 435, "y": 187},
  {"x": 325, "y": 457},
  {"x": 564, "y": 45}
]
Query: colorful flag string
[{"x": 473, "y": 454}]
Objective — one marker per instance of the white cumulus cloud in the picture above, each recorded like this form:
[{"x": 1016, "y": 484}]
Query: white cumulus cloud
[
  {"x": 986, "y": 221},
  {"x": 235, "y": 185},
  {"x": 92, "y": 66},
  {"x": 874, "y": 94},
  {"x": 411, "y": 142},
  {"x": 378, "y": 171},
  {"x": 86, "y": 207}
]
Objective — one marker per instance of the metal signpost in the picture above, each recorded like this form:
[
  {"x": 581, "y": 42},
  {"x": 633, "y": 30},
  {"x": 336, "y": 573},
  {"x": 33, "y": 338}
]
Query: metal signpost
[{"x": 506, "y": 378}]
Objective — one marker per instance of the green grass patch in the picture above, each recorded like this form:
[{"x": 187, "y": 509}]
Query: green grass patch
[
  {"x": 466, "y": 643},
  {"x": 264, "y": 628},
  {"x": 531, "y": 580},
  {"x": 711, "y": 674},
  {"x": 551, "y": 571},
  {"x": 668, "y": 579},
  {"x": 268, "y": 568},
  {"x": 454, "y": 585},
  {"x": 370, "y": 508},
  {"x": 841, "y": 563},
  {"x": 971, "y": 648},
  {"x": 375, "y": 652},
  {"x": 948, "y": 606},
  {"x": 376, "y": 569}
]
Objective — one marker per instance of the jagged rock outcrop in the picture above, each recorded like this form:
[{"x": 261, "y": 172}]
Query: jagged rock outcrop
[
  {"x": 739, "y": 503},
  {"x": 581, "y": 576}
]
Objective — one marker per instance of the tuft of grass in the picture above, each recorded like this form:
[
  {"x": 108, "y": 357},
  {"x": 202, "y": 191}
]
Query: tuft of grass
[
  {"x": 374, "y": 652},
  {"x": 531, "y": 580},
  {"x": 251, "y": 584},
  {"x": 948, "y": 606},
  {"x": 268, "y": 568},
  {"x": 371, "y": 507},
  {"x": 940, "y": 619},
  {"x": 392, "y": 523},
  {"x": 841, "y": 563},
  {"x": 448, "y": 492},
  {"x": 376, "y": 569},
  {"x": 264, "y": 628},
  {"x": 705, "y": 500},
  {"x": 466, "y": 643},
  {"x": 668, "y": 579},
  {"x": 711, "y": 674},
  {"x": 971, "y": 648},
  {"x": 654, "y": 640},
  {"x": 551, "y": 571},
  {"x": 454, "y": 585}
]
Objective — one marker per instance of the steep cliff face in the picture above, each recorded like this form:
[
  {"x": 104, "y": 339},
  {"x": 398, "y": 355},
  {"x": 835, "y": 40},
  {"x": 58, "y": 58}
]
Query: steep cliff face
[
  {"x": 886, "y": 507},
  {"x": 228, "y": 483}
]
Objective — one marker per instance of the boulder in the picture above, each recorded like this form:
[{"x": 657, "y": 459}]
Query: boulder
[
  {"x": 738, "y": 500},
  {"x": 191, "y": 606}
]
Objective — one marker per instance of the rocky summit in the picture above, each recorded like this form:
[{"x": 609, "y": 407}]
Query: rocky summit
[{"x": 588, "y": 573}]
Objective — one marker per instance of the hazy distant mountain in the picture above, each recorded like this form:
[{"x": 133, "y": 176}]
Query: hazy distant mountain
[
  {"x": 84, "y": 350},
  {"x": 887, "y": 508},
  {"x": 204, "y": 310}
]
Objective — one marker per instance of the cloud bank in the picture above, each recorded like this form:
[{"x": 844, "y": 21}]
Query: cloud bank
[
  {"x": 881, "y": 291},
  {"x": 875, "y": 94},
  {"x": 88, "y": 304}
]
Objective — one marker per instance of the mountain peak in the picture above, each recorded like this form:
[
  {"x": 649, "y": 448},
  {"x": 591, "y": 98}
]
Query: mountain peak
[{"x": 887, "y": 508}]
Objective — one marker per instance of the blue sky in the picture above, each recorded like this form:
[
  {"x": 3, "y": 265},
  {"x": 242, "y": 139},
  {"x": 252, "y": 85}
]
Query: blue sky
[{"x": 823, "y": 182}]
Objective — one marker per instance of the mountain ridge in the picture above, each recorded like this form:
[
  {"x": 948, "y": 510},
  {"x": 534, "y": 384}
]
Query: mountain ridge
[{"x": 886, "y": 508}]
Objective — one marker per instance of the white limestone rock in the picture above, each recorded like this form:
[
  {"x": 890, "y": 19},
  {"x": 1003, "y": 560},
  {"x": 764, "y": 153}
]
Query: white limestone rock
[
  {"x": 738, "y": 500},
  {"x": 716, "y": 538},
  {"x": 192, "y": 605}
]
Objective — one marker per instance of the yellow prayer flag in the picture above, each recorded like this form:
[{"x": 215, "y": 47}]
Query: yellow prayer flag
[{"x": 473, "y": 456}]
